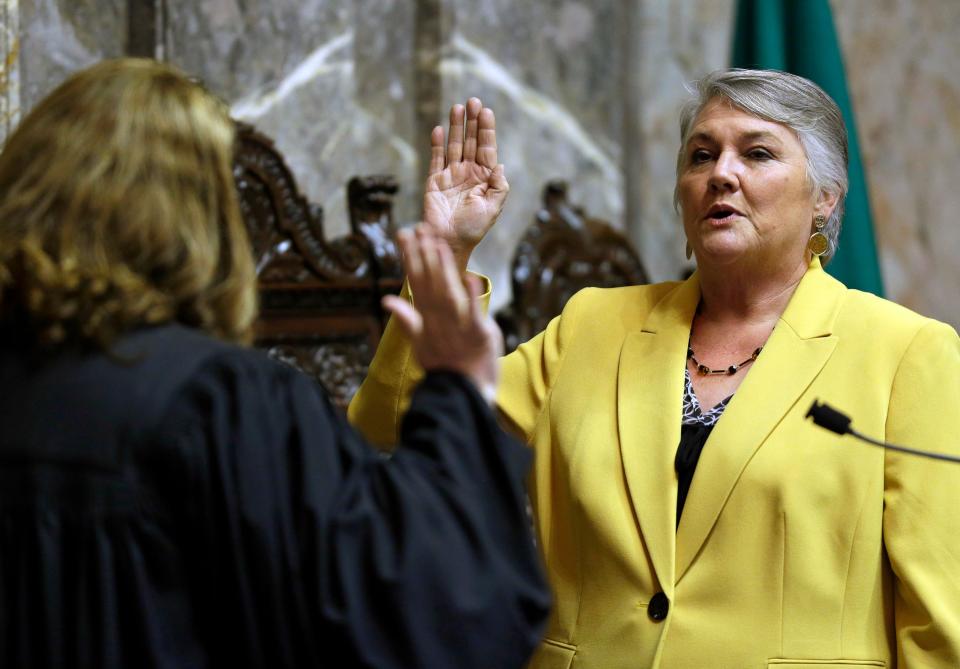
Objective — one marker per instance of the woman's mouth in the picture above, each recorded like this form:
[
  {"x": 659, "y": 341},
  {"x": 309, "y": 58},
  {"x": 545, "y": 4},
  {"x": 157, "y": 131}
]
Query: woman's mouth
[{"x": 721, "y": 214}]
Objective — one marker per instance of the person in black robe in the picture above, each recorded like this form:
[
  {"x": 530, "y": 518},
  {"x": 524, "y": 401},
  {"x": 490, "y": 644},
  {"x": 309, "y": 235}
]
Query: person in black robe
[{"x": 169, "y": 498}]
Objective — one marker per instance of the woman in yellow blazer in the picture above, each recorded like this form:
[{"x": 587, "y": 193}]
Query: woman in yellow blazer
[{"x": 741, "y": 536}]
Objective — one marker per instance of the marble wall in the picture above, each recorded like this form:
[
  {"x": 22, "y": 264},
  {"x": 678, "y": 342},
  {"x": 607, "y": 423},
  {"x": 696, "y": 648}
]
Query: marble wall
[
  {"x": 556, "y": 91},
  {"x": 58, "y": 37},
  {"x": 584, "y": 90},
  {"x": 677, "y": 42},
  {"x": 42, "y": 41},
  {"x": 10, "y": 59},
  {"x": 903, "y": 69},
  {"x": 330, "y": 82}
]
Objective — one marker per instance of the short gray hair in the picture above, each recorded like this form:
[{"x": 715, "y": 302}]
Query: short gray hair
[{"x": 795, "y": 102}]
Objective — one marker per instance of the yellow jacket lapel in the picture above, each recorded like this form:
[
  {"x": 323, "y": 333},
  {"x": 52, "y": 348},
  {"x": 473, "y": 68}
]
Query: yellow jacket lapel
[
  {"x": 649, "y": 408},
  {"x": 797, "y": 350}
]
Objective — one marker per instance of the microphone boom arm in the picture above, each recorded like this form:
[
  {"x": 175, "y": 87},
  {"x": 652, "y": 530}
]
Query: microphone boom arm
[{"x": 829, "y": 418}]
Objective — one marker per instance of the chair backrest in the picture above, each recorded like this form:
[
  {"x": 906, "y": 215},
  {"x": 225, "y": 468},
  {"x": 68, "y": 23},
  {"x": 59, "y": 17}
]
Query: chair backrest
[
  {"x": 319, "y": 298},
  {"x": 563, "y": 251}
]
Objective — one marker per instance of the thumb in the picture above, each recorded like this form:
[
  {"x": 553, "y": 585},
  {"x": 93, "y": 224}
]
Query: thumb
[{"x": 407, "y": 317}]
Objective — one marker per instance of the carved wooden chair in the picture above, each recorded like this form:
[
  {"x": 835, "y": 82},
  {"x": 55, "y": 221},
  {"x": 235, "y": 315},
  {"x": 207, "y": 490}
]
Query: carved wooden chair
[
  {"x": 563, "y": 251},
  {"x": 319, "y": 298}
]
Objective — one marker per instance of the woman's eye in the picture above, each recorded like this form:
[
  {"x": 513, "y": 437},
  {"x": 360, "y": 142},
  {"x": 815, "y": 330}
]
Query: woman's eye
[
  {"x": 699, "y": 156},
  {"x": 759, "y": 154}
]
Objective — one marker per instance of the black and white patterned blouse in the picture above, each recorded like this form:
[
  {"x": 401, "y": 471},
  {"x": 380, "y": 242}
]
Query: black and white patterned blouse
[
  {"x": 695, "y": 428},
  {"x": 692, "y": 413}
]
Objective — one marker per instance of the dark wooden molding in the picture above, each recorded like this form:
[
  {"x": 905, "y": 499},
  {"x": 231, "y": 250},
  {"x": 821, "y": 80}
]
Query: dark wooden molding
[
  {"x": 370, "y": 203},
  {"x": 320, "y": 298},
  {"x": 144, "y": 27},
  {"x": 563, "y": 251}
]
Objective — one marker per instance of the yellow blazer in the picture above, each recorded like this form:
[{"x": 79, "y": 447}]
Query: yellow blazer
[{"x": 797, "y": 547}]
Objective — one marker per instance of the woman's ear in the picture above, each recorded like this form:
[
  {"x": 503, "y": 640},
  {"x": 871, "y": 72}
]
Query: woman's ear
[{"x": 825, "y": 204}]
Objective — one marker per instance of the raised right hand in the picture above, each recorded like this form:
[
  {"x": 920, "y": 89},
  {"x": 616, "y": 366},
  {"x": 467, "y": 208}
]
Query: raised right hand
[
  {"x": 447, "y": 328},
  {"x": 466, "y": 187}
]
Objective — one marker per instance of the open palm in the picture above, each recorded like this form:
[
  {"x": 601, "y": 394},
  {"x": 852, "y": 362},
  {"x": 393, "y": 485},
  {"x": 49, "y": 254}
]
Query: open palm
[
  {"x": 447, "y": 328},
  {"x": 466, "y": 187}
]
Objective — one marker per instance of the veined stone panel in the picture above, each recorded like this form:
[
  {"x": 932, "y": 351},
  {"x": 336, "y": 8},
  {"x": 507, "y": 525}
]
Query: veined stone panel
[
  {"x": 552, "y": 71},
  {"x": 10, "y": 74},
  {"x": 329, "y": 81},
  {"x": 250, "y": 47},
  {"x": 585, "y": 90},
  {"x": 59, "y": 37},
  {"x": 679, "y": 41},
  {"x": 903, "y": 70}
]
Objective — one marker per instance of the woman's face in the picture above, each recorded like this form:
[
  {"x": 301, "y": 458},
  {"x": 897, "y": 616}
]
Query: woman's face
[{"x": 743, "y": 189}]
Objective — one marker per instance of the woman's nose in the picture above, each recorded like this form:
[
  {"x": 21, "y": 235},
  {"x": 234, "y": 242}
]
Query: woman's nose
[{"x": 724, "y": 175}]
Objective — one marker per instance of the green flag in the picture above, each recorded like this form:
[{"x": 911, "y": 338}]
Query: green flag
[{"x": 798, "y": 36}]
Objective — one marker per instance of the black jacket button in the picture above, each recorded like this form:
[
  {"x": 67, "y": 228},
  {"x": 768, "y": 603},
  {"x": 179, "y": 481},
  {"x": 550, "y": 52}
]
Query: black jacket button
[{"x": 658, "y": 607}]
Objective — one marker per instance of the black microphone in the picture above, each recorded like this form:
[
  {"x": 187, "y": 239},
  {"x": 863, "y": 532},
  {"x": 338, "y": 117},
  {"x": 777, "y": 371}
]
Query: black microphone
[{"x": 827, "y": 417}]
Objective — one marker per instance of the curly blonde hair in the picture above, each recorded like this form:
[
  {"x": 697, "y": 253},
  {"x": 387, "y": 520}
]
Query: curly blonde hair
[{"x": 118, "y": 209}]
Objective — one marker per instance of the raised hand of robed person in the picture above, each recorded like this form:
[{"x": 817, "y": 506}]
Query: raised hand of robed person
[
  {"x": 447, "y": 327},
  {"x": 466, "y": 187}
]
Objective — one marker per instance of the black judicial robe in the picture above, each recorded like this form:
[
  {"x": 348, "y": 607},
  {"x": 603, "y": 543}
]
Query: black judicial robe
[{"x": 186, "y": 503}]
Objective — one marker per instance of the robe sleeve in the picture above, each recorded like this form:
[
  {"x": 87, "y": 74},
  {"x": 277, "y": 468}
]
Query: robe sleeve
[
  {"x": 921, "y": 520},
  {"x": 325, "y": 552}
]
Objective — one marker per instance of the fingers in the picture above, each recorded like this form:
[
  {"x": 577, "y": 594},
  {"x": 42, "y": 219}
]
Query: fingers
[
  {"x": 415, "y": 266},
  {"x": 409, "y": 320},
  {"x": 436, "y": 151},
  {"x": 447, "y": 329},
  {"x": 487, "y": 138},
  {"x": 455, "y": 141},
  {"x": 474, "y": 290},
  {"x": 495, "y": 336},
  {"x": 452, "y": 279},
  {"x": 474, "y": 286},
  {"x": 421, "y": 265},
  {"x": 410, "y": 252},
  {"x": 442, "y": 286},
  {"x": 470, "y": 140},
  {"x": 479, "y": 320},
  {"x": 434, "y": 276},
  {"x": 427, "y": 248},
  {"x": 472, "y": 137}
]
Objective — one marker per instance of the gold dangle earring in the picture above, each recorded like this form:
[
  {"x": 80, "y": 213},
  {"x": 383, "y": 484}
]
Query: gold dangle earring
[
  {"x": 818, "y": 243},
  {"x": 689, "y": 250}
]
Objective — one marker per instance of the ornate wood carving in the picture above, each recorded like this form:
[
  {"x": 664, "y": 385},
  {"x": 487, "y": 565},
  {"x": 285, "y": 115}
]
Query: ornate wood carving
[
  {"x": 563, "y": 251},
  {"x": 339, "y": 364},
  {"x": 371, "y": 216},
  {"x": 320, "y": 299},
  {"x": 286, "y": 231}
]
